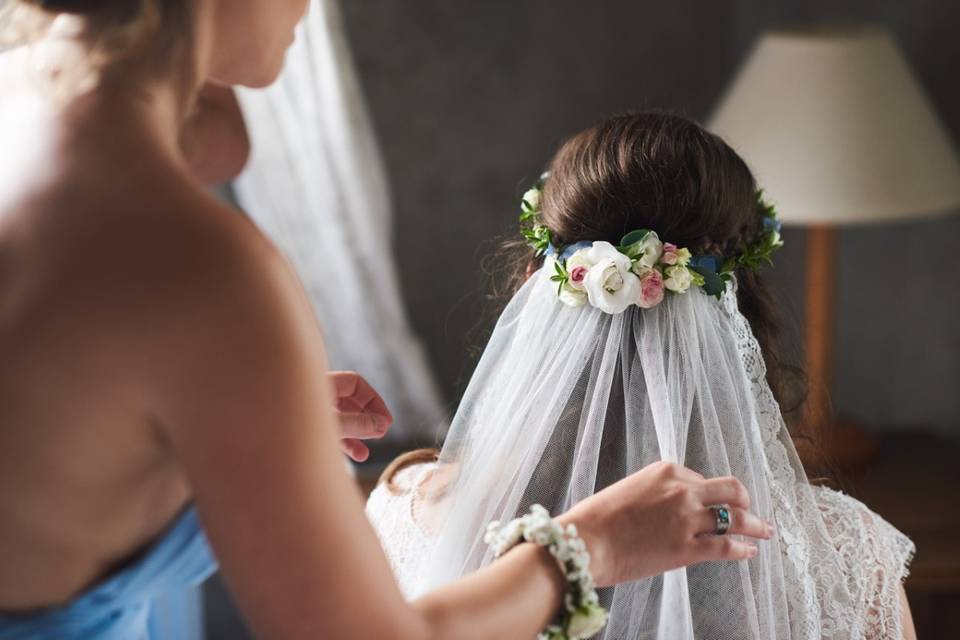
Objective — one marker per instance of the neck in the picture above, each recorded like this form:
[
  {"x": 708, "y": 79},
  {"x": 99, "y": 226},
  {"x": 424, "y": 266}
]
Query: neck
[
  {"x": 156, "y": 111},
  {"x": 153, "y": 100}
]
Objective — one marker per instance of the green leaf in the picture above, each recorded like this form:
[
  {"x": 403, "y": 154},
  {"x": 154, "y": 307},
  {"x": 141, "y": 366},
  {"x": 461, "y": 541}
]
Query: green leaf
[
  {"x": 634, "y": 237},
  {"x": 713, "y": 283}
]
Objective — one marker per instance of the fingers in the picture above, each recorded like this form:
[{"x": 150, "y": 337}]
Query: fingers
[
  {"x": 363, "y": 413},
  {"x": 351, "y": 388},
  {"x": 364, "y": 426},
  {"x": 357, "y": 451},
  {"x": 685, "y": 473},
  {"x": 728, "y": 490},
  {"x": 713, "y": 548},
  {"x": 742, "y": 523},
  {"x": 672, "y": 470}
]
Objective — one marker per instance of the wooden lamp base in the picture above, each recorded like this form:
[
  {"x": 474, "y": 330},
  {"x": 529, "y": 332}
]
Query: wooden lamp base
[{"x": 840, "y": 445}]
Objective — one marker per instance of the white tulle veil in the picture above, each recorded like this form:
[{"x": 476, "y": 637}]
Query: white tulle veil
[{"x": 568, "y": 400}]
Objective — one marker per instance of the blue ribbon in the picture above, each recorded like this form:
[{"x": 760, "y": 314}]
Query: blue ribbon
[
  {"x": 567, "y": 251},
  {"x": 705, "y": 262}
]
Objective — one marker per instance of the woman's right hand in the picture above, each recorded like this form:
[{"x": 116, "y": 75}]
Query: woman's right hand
[{"x": 660, "y": 519}]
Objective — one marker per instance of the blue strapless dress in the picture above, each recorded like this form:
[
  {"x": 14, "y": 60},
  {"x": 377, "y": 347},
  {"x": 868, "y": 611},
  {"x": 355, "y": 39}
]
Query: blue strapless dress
[{"x": 124, "y": 606}]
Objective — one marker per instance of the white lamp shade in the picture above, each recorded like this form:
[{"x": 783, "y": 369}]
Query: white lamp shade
[{"x": 838, "y": 131}]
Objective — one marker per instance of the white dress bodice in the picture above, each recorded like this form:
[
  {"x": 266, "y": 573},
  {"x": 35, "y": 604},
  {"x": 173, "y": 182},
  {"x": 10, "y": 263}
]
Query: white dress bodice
[{"x": 860, "y": 602}]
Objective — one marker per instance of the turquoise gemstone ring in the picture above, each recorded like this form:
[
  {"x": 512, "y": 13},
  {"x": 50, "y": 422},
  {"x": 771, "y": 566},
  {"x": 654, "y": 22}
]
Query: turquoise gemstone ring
[{"x": 722, "y": 515}]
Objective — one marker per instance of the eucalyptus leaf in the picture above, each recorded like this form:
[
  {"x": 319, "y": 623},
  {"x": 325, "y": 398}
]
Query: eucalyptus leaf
[
  {"x": 713, "y": 284},
  {"x": 633, "y": 238}
]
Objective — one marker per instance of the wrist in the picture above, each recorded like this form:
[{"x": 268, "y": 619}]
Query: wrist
[
  {"x": 580, "y": 615},
  {"x": 544, "y": 560},
  {"x": 594, "y": 541}
]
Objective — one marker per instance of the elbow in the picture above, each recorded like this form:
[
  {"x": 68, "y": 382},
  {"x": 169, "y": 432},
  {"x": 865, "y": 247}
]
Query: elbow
[{"x": 437, "y": 623}]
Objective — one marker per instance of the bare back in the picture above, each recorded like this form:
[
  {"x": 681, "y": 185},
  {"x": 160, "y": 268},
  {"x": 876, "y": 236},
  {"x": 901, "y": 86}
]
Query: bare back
[{"x": 94, "y": 228}]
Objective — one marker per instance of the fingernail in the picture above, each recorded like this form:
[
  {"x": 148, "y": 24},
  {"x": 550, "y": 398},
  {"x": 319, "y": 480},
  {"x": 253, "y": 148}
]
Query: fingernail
[
  {"x": 752, "y": 552},
  {"x": 770, "y": 530}
]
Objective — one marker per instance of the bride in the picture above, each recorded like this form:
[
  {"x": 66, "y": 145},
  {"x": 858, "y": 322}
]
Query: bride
[{"x": 643, "y": 332}]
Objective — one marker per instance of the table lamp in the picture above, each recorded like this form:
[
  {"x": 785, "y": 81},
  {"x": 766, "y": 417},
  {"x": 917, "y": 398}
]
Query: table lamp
[{"x": 837, "y": 131}]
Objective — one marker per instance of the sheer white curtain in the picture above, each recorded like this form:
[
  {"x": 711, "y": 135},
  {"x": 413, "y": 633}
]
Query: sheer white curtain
[{"x": 317, "y": 186}]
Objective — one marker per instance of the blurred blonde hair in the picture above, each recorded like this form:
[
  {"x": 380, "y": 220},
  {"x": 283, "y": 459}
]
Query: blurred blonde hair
[{"x": 123, "y": 40}]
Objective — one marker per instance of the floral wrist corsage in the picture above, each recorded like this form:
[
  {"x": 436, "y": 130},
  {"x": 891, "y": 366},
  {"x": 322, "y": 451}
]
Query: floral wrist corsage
[{"x": 581, "y": 616}]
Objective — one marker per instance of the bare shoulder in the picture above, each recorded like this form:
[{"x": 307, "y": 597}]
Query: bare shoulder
[
  {"x": 199, "y": 268},
  {"x": 149, "y": 266},
  {"x": 159, "y": 243}
]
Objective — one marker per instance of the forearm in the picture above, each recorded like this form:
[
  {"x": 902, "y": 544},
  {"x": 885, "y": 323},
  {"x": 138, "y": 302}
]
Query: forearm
[
  {"x": 906, "y": 617},
  {"x": 515, "y": 597}
]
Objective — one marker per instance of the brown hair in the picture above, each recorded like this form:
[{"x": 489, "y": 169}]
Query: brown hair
[
  {"x": 664, "y": 172},
  {"x": 661, "y": 171},
  {"x": 122, "y": 38},
  {"x": 419, "y": 456}
]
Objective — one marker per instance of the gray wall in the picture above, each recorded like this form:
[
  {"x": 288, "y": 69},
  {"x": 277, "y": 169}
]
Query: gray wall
[{"x": 471, "y": 99}]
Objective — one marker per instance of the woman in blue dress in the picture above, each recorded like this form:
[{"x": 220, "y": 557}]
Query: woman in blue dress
[{"x": 161, "y": 366}]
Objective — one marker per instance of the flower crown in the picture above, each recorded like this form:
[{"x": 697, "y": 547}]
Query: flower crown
[{"x": 642, "y": 269}]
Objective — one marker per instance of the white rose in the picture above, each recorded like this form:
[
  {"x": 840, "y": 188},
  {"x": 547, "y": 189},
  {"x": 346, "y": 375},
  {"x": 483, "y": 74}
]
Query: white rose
[
  {"x": 678, "y": 279},
  {"x": 587, "y": 621},
  {"x": 572, "y": 297},
  {"x": 611, "y": 286},
  {"x": 650, "y": 251},
  {"x": 532, "y": 198},
  {"x": 578, "y": 265}
]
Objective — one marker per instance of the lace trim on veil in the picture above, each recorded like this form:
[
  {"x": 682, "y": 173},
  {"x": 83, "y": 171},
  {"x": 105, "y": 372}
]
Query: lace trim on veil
[{"x": 826, "y": 586}]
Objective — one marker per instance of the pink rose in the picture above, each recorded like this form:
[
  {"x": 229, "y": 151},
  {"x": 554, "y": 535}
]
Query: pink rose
[
  {"x": 577, "y": 275},
  {"x": 669, "y": 255},
  {"x": 651, "y": 289}
]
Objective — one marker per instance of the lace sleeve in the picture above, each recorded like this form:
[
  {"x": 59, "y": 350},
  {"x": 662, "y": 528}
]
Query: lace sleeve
[
  {"x": 876, "y": 558},
  {"x": 390, "y": 513}
]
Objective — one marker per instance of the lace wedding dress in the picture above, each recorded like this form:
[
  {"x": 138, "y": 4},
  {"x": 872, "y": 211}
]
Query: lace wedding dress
[{"x": 566, "y": 401}]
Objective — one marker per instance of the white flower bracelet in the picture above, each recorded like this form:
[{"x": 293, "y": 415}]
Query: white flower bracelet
[{"x": 581, "y": 616}]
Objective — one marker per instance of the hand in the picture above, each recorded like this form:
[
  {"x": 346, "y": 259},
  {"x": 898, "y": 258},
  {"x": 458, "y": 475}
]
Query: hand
[
  {"x": 214, "y": 137},
  {"x": 660, "y": 519},
  {"x": 361, "y": 411}
]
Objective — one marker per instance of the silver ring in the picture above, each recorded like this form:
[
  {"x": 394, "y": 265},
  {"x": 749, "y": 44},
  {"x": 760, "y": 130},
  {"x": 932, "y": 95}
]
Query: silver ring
[{"x": 723, "y": 520}]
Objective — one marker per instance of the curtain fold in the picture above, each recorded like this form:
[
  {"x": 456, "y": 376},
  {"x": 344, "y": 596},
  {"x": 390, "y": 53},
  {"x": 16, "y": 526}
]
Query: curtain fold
[{"x": 317, "y": 186}]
